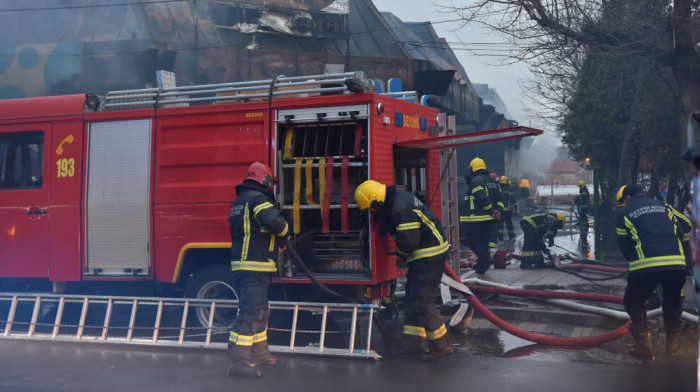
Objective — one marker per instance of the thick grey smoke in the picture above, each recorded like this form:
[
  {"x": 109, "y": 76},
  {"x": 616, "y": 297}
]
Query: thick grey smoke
[{"x": 536, "y": 159}]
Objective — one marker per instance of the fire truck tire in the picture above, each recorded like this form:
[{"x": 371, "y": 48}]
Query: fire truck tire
[{"x": 213, "y": 282}]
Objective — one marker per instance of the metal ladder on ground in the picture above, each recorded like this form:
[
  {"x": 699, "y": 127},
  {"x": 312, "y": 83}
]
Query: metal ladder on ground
[{"x": 154, "y": 321}]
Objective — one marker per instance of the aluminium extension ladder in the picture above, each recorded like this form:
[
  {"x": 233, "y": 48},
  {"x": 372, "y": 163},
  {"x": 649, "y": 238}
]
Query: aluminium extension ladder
[
  {"x": 280, "y": 87},
  {"x": 170, "y": 322}
]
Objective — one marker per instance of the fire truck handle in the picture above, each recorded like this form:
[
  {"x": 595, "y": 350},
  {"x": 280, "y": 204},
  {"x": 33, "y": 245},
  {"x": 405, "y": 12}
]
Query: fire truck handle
[{"x": 36, "y": 211}]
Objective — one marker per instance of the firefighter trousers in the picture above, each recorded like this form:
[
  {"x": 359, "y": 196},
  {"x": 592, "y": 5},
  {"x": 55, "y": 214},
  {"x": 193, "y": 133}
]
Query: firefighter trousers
[
  {"x": 423, "y": 323},
  {"x": 640, "y": 286},
  {"x": 477, "y": 236},
  {"x": 505, "y": 224},
  {"x": 250, "y": 327},
  {"x": 532, "y": 247}
]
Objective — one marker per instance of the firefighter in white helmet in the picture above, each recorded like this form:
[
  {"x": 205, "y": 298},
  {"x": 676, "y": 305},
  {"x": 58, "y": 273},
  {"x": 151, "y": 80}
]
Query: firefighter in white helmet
[
  {"x": 421, "y": 241},
  {"x": 256, "y": 225}
]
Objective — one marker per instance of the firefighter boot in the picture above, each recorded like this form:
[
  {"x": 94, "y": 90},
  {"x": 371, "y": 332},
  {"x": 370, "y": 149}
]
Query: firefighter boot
[
  {"x": 437, "y": 349},
  {"x": 673, "y": 336},
  {"x": 643, "y": 346},
  {"x": 412, "y": 346},
  {"x": 241, "y": 364},
  {"x": 260, "y": 354}
]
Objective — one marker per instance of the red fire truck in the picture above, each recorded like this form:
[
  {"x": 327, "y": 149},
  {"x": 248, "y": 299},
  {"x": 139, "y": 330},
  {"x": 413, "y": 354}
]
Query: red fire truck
[{"x": 135, "y": 186}]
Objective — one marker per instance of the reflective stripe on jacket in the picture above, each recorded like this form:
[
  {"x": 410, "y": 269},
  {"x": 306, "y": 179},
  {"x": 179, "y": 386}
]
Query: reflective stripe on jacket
[
  {"x": 544, "y": 223},
  {"x": 255, "y": 225},
  {"x": 648, "y": 235},
  {"x": 481, "y": 199},
  {"x": 683, "y": 222},
  {"x": 417, "y": 231},
  {"x": 583, "y": 197},
  {"x": 507, "y": 197}
]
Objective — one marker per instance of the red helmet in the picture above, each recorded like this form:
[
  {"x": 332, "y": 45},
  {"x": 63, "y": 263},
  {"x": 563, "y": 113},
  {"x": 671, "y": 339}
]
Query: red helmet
[
  {"x": 494, "y": 176},
  {"x": 262, "y": 174}
]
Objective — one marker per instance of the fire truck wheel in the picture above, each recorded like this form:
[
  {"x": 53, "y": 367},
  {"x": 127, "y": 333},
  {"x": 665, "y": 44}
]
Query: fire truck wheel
[{"x": 213, "y": 282}]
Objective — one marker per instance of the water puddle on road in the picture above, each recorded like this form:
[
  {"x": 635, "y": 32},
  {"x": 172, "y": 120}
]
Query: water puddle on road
[{"x": 497, "y": 343}]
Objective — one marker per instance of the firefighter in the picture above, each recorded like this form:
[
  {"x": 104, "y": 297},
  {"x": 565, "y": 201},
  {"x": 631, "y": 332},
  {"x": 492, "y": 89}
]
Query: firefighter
[
  {"x": 650, "y": 239},
  {"x": 535, "y": 228},
  {"x": 493, "y": 236},
  {"x": 508, "y": 208},
  {"x": 421, "y": 241},
  {"x": 582, "y": 202},
  {"x": 478, "y": 212},
  {"x": 256, "y": 224}
]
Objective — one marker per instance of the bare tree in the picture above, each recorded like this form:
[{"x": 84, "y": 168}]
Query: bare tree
[{"x": 550, "y": 35}]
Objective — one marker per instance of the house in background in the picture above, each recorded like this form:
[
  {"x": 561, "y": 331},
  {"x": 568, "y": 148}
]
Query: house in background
[{"x": 567, "y": 172}]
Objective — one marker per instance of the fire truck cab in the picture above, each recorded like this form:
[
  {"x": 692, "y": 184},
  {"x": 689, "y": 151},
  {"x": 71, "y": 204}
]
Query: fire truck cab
[{"x": 135, "y": 186}]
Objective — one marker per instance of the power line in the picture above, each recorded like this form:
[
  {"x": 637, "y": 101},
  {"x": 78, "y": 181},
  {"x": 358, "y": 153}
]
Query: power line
[{"x": 67, "y": 7}]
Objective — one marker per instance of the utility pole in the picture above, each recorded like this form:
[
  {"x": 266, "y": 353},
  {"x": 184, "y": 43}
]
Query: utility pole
[{"x": 596, "y": 236}]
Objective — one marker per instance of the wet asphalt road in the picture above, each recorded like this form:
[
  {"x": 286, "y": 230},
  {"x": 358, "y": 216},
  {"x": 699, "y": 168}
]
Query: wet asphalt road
[{"x": 59, "y": 366}]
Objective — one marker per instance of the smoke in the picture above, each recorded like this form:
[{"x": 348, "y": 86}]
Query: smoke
[{"x": 536, "y": 159}]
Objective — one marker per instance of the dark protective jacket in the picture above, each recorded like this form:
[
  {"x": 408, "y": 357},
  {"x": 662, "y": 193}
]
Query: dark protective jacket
[
  {"x": 255, "y": 225},
  {"x": 417, "y": 231},
  {"x": 507, "y": 202},
  {"x": 583, "y": 197},
  {"x": 683, "y": 222},
  {"x": 649, "y": 236},
  {"x": 481, "y": 199},
  {"x": 544, "y": 223}
]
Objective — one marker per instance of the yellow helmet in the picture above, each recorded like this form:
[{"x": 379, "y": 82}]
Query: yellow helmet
[
  {"x": 370, "y": 192},
  {"x": 562, "y": 220},
  {"x": 581, "y": 184},
  {"x": 620, "y": 195},
  {"x": 503, "y": 180},
  {"x": 477, "y": 164}
]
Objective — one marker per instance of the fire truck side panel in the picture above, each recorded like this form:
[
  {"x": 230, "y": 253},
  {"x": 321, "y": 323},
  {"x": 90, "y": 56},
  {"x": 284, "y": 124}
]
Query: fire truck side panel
[
  {"x": 117, "y": 210},
  {"x": 202, "y": 153},
  {"x": 381, "y": 133},
  {"x": 399, "y": 121},
  {"x": 65, "y": 184},
  {"x": 24, "y": 244},
  {"x": 30, "y": 211}
]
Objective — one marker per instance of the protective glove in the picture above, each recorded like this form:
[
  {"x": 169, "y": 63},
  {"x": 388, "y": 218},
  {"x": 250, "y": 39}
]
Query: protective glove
[{"x": 547, "y": 252}]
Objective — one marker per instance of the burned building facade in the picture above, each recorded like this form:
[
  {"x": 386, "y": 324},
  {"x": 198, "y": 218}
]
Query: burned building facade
[{"x": 58, "y": 47}]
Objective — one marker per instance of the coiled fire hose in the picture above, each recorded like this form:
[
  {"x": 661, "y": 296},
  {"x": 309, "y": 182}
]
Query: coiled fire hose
[{"x": 457, "y": 284}]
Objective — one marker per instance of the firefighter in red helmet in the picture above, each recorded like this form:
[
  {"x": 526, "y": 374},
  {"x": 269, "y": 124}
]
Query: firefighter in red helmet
[{"x": 256, "y": 224}]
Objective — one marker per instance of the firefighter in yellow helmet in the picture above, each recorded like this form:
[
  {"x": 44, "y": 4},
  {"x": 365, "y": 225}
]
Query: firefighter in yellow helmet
[
  {"x": 582, "y": 201},
  {"x": 256, "y": 225},
  {"x": 535, "y": 228},
  {"x": 421, "y": 241},
  {"x": 508, "y": 206},
  {"x": 649, "y": 237},
  {"x": 478, "y": 212}
]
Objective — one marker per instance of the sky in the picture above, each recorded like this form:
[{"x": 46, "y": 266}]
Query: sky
[
  {"x": 480, "y": 69},
  {"x": 485, "y": 69}
]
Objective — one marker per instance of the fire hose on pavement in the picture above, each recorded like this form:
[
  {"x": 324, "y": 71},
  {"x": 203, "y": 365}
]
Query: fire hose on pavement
[{"x": 455, "y": 282}]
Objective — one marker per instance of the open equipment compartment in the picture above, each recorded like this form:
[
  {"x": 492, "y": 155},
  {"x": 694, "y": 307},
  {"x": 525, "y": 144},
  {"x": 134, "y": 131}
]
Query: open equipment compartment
[{"x": 321, "y": 159}]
